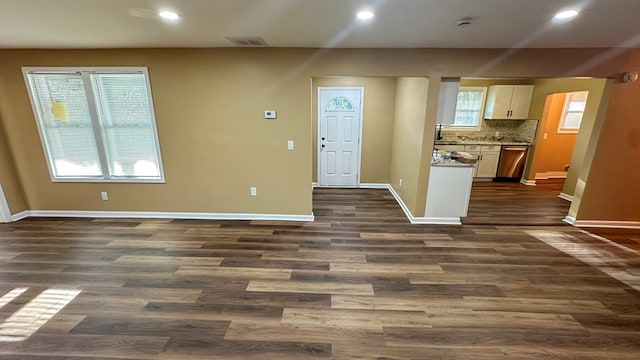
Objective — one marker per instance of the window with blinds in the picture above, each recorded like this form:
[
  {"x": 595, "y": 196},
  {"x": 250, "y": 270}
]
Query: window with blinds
[
  {"x": 96, "y": 124},
  {"x": 572, "y": 112},
  {"x": 469, "y": 107}
]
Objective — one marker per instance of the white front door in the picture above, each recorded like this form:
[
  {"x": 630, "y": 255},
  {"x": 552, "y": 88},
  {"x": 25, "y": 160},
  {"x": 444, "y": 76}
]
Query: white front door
[{"x": 339, "y": 126}]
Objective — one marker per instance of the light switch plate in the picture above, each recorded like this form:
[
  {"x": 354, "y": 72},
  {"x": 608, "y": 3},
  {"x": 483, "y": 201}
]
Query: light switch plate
[
  {"x": 290, "y": 145},
  {"x": 270, "y": 114}
]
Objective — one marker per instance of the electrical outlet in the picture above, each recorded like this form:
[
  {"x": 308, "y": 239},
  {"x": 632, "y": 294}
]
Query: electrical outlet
[
  {"x": 254, "y": 191},
  {"x": 544, "y": 136},
  {"x": 290, "y": 145},
  {"x": 400, "y": 183},
  {"x": 104, "y": 196}
]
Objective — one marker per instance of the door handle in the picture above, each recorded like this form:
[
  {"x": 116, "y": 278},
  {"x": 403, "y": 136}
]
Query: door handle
[{"x": 323, "y": 146}]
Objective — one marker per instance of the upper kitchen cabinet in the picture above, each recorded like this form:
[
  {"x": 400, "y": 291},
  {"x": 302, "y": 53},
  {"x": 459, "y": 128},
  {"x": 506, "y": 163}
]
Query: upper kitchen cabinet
[{"x": 508, "y": 102}]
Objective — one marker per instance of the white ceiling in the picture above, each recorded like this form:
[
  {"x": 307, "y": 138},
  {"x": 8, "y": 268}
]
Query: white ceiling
[{"x": 318, "y": 23}]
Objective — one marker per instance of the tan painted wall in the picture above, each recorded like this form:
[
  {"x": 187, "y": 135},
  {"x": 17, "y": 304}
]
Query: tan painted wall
[
  {"x": 544, "y": 87},
  {"x": 377, "y": 124},
  {"x": 9, "y": 179},
  {"x": 406, "y": 155},
  {"x": 614, "y": 175},
  {"x": 553, "y": 154},
  {"x": 215, "y": 144}
]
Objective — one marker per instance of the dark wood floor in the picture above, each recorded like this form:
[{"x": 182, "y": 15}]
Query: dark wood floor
[
  {"x": 358, "y": 283},
  {"x": 512, "y": 203},
  {"x": 626, "y": 237}
]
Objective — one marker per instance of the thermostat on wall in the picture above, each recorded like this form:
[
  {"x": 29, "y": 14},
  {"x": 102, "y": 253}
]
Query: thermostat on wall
[{"x": 269, "y": 114}]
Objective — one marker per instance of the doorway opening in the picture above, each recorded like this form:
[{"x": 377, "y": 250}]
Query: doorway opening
[{"x": 560, "y": 124}]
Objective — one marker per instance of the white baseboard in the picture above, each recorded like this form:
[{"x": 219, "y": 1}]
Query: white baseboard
[
  {"x": 527, "y": 182},
  {"x": 421, "y": 220},
  {"x": 19, "y": 216},
  {"x": 161, "y": 215},
  {"x": 551, "y": 175},
  {"x": 608, "y": 224},
  {"x": 566, "y": 197},
  {"x": 602, "y": 224},
  {"x": 374, "y": 186},
  {"x": 361, "y": 186},
  {"x": 403, "y": 206},
  {"x": 437, "y": 220}
]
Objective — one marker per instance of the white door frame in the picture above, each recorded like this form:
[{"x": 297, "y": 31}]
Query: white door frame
[
  {"x": 5, "y": 213},
  {"x": 361, "y": 121}
]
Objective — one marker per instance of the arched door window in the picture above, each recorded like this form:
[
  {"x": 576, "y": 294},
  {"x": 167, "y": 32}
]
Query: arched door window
[{"x": 339, "y": 103}]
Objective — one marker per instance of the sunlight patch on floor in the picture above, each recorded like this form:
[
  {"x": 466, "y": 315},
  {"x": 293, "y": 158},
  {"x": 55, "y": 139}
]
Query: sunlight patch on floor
[
  {"x": 31, "y": 317},
  {"x": 611, "y": 258}
]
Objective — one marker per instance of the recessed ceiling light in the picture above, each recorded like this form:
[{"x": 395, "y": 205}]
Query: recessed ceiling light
[
  {"x": 567, "y": 14},
  {"x": 169, "y": 15},
  {"x": 365, "y": 15}
]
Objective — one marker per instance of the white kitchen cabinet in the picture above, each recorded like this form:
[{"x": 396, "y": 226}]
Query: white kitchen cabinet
[
  {"x": 508, "y": 102},
  {"x": 487, "y": 156}
]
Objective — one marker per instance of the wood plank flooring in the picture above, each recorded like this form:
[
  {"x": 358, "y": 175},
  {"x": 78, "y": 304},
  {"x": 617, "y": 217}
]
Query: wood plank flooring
[
  {"x": 358, "y": 283},
  {"x": 512, "y": 203}
]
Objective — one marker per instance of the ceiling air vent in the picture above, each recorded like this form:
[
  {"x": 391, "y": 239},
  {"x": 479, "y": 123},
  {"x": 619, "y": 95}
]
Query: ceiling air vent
[{"x": 246, "y": 40}]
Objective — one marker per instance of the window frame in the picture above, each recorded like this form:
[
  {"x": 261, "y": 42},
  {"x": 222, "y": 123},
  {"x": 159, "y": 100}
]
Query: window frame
[
  {"x": 453, "y": 126},
  {"x": 86, "y": 72},
  {"x": 565, "y": 110}
]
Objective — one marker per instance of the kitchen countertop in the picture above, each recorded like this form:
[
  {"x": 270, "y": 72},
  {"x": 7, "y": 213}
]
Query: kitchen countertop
[{"x": 450, "y": 163}]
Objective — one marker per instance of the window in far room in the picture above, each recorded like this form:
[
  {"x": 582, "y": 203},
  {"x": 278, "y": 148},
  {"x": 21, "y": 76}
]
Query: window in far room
[
  {"x": 96, "y": 124},
  {"x": 574, "y": 105},
  {"x": 469, "y": 108}
]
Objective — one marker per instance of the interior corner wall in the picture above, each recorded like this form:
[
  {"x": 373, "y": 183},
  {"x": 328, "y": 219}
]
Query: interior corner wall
[
  {"x": 377, "y": 123},
  {"x": 611, "y": 191},
  {"x": 408, "y": 129}
]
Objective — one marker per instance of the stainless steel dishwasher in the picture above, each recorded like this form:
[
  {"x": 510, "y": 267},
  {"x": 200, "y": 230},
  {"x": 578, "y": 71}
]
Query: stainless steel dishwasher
[{"x": 511, "y": 165}]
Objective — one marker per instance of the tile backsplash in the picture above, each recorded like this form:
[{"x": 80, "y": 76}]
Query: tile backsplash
[{"x": 518, "y": 130}]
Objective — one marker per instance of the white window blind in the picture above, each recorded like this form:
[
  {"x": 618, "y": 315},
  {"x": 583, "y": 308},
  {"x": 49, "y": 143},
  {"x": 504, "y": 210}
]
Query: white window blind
[
  {"x": 469, "y": 107},
  {"x": 574, "y": 105},
  {"x": 96, "y": 125}
]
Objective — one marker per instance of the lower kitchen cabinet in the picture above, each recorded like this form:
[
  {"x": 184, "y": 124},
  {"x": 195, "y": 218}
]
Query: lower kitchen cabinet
[{"x": 488, "y": 157}]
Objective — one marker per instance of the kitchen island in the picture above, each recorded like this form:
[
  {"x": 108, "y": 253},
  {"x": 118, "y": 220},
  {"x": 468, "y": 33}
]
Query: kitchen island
[{"x": 448, "y": 192}]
